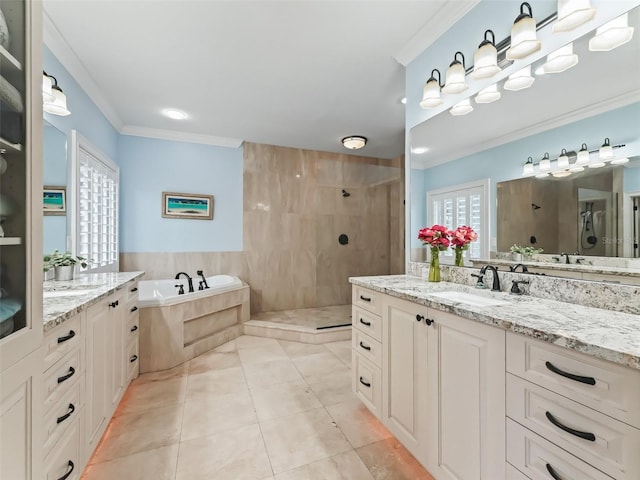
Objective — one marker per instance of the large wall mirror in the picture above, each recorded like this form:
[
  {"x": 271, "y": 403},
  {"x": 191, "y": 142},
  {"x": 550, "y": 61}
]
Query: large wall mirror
[
  {"x": 590, "y": 212},
  {"x": 55, "y": 174}
]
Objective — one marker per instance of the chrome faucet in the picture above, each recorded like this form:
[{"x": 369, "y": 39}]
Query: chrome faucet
[
  {"x": 189, "y": 280},
  {"x": 496, "y": 278}
]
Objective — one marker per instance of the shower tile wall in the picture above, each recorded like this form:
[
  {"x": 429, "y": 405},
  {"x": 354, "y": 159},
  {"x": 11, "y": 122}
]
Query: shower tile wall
[{"x": 293, "y": 213}]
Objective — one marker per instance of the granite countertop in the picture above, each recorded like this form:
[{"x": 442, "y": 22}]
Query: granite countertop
[
  {"x": 63, "y": 299},
  {"x": 569, "y": 267},
  {"x": 605, "y": 334}
]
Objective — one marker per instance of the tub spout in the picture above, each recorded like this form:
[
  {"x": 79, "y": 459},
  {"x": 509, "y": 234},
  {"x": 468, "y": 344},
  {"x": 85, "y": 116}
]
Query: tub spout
[
  {"x": 203, "y": 282},
  {"x": 189, "y": 280}
]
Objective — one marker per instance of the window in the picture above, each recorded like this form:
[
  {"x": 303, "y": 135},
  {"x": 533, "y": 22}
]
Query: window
[
  {"x": 462, "y": 205},
  {"x": 97, "y": 183}
]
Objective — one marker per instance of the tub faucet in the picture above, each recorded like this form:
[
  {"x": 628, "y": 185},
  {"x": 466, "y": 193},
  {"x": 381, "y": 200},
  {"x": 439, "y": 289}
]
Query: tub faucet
[
  {"x": 496, "y": 278},
  {"x": 189, "y": 280},
  {"x": 203, "y": 282}
]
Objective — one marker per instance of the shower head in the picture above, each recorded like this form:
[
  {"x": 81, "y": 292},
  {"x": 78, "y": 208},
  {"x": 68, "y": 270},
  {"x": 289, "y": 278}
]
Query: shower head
[{"x": 345, "y": 193}]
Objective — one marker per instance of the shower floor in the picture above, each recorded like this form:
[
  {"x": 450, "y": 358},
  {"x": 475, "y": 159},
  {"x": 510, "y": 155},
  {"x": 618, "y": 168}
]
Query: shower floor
[{"x": 318, "y": 318}]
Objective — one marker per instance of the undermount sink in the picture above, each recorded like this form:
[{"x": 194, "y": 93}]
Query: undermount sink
[
  {"x": 65, "y": 293},
  {"x": 469, "y": 299}
]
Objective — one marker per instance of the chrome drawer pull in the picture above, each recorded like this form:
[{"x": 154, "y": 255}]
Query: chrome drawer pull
[
  {"x": 367, "y": 324},
  {"x": 366, "y": 299},
  {"x": 584, "y": 435},
  {"x": 570, "y": 376},
  {"x": 72, "y": 409},
  {"x": 68, "y": 474},
  {"x": 67, "y": 376},
  {"x": 67, "y": 337},
  {"x": 552, "y": 472},
  {"x": 368, "y": 385},
  {"x": 366, "y": 347}
]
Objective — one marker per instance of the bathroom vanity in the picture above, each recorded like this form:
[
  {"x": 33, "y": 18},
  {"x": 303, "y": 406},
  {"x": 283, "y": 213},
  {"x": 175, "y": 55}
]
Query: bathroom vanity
[{"x": 480, "y": 384}]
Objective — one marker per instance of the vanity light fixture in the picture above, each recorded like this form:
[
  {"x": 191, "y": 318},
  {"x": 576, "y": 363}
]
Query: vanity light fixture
[
  {"x": 485, "y": 60},
  {"x": 563, "y": 159},
  {"x": 57, "y": 106},
  {"x": 612, "y": 34},
  {"x": 561, "y": 173},
  {"x": 528, "y": 168},
  {"x": 572, "y": 14},
  {"x": 520, "y": 80},
  {"x": 619, "y": 161},
  {"x": 462, "y": 108},
  {"x": 524, "y": 40},
  {"x": 545, "y": 163},
  {"x": 560, "y": 60},
  {"x": 455, "y": 77},
  {"x": 431, "y": 92},
  {"x": 583, "y": 156},
  {"x": 354, "y": 142},
  {"x": 606, "y": 150},
  {"x": 47, "y": 82},
  {"x": 488, "y": 95}
]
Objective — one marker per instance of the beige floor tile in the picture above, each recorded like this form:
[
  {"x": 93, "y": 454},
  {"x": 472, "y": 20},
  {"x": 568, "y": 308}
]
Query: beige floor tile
[
  {"x": 208, "y": 415},
  {"x": 261, "y": 354},
  {"x": 176, "y": 372},
  {"x": 157, "y": 464},
  {"x": 389, "y": 460},
  {"x": 214, "y": 360},
  {"x": 344, "y": 466},
  {"x": 139, "y": 432},
  {"x": 270, "y": 373},
  {"x": 216, "y": 383},
  {"x": 300, "y": 439},
  {"x": 320, "y": 364},
  {"x": 235, "y": 455},
  {"x": 297, "y": 349},
  {"x": 337, "y": 389},
  {"x": 282, "y": 399},
  {"x": 341, "y": 349},
  {"x": 357, "y": 423},
  {"x": 149, "y": 395},
  {"x": 249, "y": 341}
]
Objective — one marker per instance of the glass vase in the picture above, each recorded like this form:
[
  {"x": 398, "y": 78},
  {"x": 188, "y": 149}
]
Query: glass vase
[
  {"x": 459, "y": 261},
  {"x": 434, "y": 266}
]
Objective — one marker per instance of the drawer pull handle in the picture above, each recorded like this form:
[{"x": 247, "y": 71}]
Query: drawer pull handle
[
  {"x": 114, "y": 304},
  {"x": 585, "y": 435},
  {"x": 133, "y": 358},
  {"x": 366, "y": 324},
  {"x": 419, "y": 318},
  {"x": 134, "y": 328},
  {"x": 68, "y": 474},
  {"x": 570, "y": 376},
  {"x": 366, "y": 347},
  {"x": 67, "y": 337},
  {"x": 368, "y": 385},
  {"x": 552, "y": 472},
  {"x": 72, "y": 409},
  {"x": 134, "y": 289},
  {"x": 428, "y": 321},
  {"x": 66, "y": 377},
  {"x": 133, "y": 309},
  {"x": 366, "y": 299}
]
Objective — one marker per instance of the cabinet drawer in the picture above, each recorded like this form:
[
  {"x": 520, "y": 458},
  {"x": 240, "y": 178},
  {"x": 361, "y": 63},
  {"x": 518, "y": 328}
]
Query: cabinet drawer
[
  {"x": 61, "y": 416},
  {"x": 609, "y": 388},
  {"x": 367, "y": 299},
  {"x": 132, "y": 308},
  {"x": 132, "y": 291},
  {"x": 64, "y": 461},
  {"x": 367, "y": 383},
  {"x": 367, "y": 322},
  {"x": 537, "y": 458},
  {"x": 514, "y": 474},
  {"x": 132, "y": 328},
  {"x": 368, "y": 347},
  {"x": 59, "y": 379},
  {"x": 601, "y": 441},
  {"x": 133, "y": 361},
  {"x": 61, "y": 340}
]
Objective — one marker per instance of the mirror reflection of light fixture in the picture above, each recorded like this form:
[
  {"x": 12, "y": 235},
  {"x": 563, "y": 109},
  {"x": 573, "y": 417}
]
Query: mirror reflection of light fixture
[
  {"x": 612, "y": 34},
  {"x": 572, "y": 14},
  {"x": 606, "y": 150},
  {"x": 563, "y": 159},
  {"x": 528, "y": 167},
  {"x": 488, "y": 95},
  {"x": 47, "y": 94},
  {"x": 524, "y": 40},
  {"x": 455, "y": 77},
  {"x": 485, "y": 60},
  {"x": 59, "y": 104},
  {"x": 431, "y": 92},
  {"x": 462, "y": 108},
  {"x": 561, "y": 173},
  {"x": 354, "y": 142},
  {"x": 545, "y": 163},
  {"x": 583, "y": 156},
  {"x": 560, "y": 60},
  {"x": 520, "y": 80},
  {"x": 620, "y": 161}
]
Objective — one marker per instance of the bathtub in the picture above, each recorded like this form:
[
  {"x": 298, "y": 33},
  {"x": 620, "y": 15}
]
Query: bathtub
[
  {"x": 157, "y": 293},
  {"x": 176, "y": 328}
]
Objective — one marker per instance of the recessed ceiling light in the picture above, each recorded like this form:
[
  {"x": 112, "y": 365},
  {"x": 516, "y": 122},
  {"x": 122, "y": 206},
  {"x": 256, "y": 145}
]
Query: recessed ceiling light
[
  {"x": 419, "y": 150},
  {"x": 403, "y": 100},
  {"x": 175, "y": 114}
]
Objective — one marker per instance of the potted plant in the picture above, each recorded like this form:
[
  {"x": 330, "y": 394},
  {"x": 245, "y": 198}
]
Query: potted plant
[
  {"x": 520, "y": 253},
  {"x": 64, "y": 264}
]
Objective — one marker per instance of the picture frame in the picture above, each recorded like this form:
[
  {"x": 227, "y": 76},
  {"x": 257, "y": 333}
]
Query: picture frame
[
  {"x": 54, "y": 200},
  {"x": 187, "y": 205}
]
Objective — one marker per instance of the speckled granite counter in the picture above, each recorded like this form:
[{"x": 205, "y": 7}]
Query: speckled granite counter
[
  {"x": 572, "y": 267},
  {"x": 605, "y": 334},
  {"x": 63, "y": 299}
]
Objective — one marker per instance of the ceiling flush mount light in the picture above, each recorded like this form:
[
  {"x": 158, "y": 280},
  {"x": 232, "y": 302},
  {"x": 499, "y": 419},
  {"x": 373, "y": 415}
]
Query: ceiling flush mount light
[
  {"x": 524, "y": 40},
  {"x": 520, "y": 80},
  {"x": 488, "y": 95},
  {"x": 174, "y": 114},
  {"x": 354, "y": 142},
  {"x": 431, "y": 92},
  {"x": 455, "y": 77},
  {"x": 612, "y": 34},
  {"x": 58, "y": 105},
  {"x": 560, "y": 60},
  {"x": 485, "y": 60},
  {"x": 572, "y": 14},
  {"x": 528, "y": 168},
  {"x": 462, "y": 108}
]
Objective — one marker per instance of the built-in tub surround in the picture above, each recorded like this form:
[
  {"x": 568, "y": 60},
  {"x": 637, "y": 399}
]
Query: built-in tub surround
[{"x": 176, "y": 328}]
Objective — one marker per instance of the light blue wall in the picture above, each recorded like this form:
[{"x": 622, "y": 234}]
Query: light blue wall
[
  {"x": 149, "y": 167},
  {"x": 54, "y": 174},
  {"x": 631, "y": 180}
]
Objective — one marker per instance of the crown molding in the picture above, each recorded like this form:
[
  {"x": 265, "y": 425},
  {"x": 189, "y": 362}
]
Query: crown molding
[
  {"x": 446, "y": 16},
  {"x": 136, "y": 131}
]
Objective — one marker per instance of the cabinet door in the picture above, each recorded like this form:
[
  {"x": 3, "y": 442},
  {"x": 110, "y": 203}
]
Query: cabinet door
[
  {"x": 404, "y": 372},
  {"x": 467, "y": 399},
  {"x": 97, "y": 379},
  {"x": 116, "y": 349}
]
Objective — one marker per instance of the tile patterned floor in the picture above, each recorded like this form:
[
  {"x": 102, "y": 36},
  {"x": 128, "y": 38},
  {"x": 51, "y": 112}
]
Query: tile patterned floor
[
  {"x": 319, "y": 317},
  {"x": 254, "y": 408}
]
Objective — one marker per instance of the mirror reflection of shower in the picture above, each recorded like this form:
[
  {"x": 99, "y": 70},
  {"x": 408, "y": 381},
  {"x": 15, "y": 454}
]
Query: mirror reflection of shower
[{"x": 595, "y": 225}]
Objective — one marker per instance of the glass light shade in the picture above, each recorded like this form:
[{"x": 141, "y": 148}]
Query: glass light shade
[
  {"x": 59, "y": 104},
  {"x": 583, "y": 156},
  {"x": 462, "y": 108},
  {"x": 606, "y": 150},
  {"x": 576, "y": 168},
  {"x": 560, "y": 60},
  {"x": 524, "y": 40},
  {"x": 520, "y": 80},
  {"x": 619, "y": 161},
  {"x": 47, "y": 94},
  {"x": 572, "y": 14},
  {"x": 563, "y": 159},
  {"x": 612, "y": 34},
  {"x": 431, "y": 94},
  {"x": 455, "y": 79},
  {"x": 528, "y": 167},
  {"x": 561, "y": 174},
  {"x": 485, "y": 61},
  {"x": 354, "y": 143},
  {"x": 545, "y": 163},
  {"x": 488, "y": 95},
  {"x": 597, "y": 164}
]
